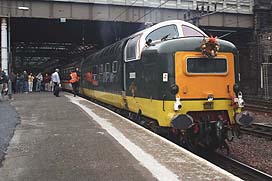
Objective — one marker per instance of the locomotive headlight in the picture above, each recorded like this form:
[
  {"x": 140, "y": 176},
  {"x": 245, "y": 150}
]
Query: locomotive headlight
[
  {"x": 177, "y": 105},
  {"x": 210, "y": 97},
  {"x": 241, "y": 102}
]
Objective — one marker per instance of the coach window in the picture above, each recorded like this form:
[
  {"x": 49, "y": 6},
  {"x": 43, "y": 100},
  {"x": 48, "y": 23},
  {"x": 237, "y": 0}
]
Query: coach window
[
  {"x": 114, "y": 67},
  {"x": 101, "y": 70},
  {"x": 132, "y": 51},
  {"x": 95, "y": 71},
  {"x": 168, "y": 32},
  {"x": 107, "y": 67},
  {"x": 188, "y": 31}
]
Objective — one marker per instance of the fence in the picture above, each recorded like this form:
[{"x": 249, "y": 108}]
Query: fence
[{"x": 266, "y": 80}]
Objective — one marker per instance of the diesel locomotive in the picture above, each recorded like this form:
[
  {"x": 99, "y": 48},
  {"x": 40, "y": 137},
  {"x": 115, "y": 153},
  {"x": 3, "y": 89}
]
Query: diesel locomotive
[{"x": 171, "y": 77}]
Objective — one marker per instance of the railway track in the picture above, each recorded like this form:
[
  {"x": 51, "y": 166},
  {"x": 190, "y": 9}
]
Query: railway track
[
  {"x": 239, "y": 169},
  {"x": 258, "y": 105},
  {"x": 258, "y": 108},
  {"x": 257, "y": 129},
  {"x": 235, "y": 167}
]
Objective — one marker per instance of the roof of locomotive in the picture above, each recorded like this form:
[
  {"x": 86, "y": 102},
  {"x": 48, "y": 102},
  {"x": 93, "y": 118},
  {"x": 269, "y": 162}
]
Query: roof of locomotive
[
  {"x": 166, "y": 23},
  {"x": 108, "y": 50},
  {"x": 119, "y": 45},
  {"x": 188, "y": 44}
]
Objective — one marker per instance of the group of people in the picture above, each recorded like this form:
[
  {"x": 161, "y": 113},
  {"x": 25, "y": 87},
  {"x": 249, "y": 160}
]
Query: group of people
[
  {"x": 24, "y": 82},
  {"x": 27, "y": 82},
  {"x": 74, "y": 80}
]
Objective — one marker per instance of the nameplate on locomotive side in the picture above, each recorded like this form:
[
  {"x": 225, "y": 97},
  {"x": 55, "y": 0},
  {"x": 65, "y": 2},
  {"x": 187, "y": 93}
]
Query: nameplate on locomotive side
[{"x": 208, "y": 105}]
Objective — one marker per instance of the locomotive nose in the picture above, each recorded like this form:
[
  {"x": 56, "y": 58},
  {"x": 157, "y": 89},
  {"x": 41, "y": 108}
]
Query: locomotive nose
[{"x": 244, "y": 118}]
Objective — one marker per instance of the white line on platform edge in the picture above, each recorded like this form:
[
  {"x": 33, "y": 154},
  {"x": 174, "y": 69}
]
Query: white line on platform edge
[
  {"x": 159, "y": 171},
  {"x": 231, "y": 176}
]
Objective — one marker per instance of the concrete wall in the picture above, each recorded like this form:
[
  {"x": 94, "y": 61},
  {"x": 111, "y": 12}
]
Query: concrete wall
[
  {"x": 257, "y": 80},
  {"x": 231, "y": 6}
]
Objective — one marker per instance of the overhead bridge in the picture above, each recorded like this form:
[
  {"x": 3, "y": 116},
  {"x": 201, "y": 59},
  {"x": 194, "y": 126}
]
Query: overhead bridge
[
  {"x": 214, "y": 13},
  {"x": 48, "y": 33}
]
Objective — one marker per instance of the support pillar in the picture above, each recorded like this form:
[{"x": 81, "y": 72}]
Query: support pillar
[{"x": 4, "y": 45}]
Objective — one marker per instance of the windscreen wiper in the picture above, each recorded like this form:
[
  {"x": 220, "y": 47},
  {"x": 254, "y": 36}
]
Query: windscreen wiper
[{"x": 165, "y": 37}]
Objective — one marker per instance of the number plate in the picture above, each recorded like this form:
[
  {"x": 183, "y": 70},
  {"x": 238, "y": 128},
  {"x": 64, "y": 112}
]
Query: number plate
[{"x": 208, "y": 105}]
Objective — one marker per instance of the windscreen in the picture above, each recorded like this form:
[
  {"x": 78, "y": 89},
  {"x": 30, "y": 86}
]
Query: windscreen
[{"x": 206, "y": 66}]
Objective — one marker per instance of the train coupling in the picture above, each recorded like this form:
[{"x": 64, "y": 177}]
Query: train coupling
[
  {"x": 244, "y": 118},
  {"x": 182, "y": 121}
]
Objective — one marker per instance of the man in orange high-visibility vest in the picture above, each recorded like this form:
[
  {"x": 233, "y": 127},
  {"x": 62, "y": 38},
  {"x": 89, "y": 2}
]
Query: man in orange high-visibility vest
[{"x": 75, "y": 82}]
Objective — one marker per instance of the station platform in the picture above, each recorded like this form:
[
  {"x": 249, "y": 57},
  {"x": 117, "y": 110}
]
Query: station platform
[{"x": 70, "y": 138}]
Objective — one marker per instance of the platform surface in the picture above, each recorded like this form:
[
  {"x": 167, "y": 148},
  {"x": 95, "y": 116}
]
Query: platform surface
[{"x": 70, "y": 138}]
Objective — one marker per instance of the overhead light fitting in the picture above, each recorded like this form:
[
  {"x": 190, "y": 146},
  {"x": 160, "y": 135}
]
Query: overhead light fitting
[{"x": 23, "y": 8}]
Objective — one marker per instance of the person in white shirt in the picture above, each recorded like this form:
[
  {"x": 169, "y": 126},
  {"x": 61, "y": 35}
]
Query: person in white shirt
[
  {"x": 30, "y": 82},
  {"x": 56, "y": 81},
  {"x": 39, "y": 78}
]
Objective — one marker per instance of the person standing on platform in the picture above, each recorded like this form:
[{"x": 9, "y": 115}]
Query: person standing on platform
[
  {"x": 4, "y": 83},
  {"x": 46, "y": 81},
  {"x": 17, "y": 83},
  {"x": 39, "y": 78},
  {"x": 2, "y": 79},
  {"x": 56, "y": 81},
  {"x": 21, "y": 81},
  {"x": 25, "y": 88},
  {"x": 74, "y": 80},
  {"x": 30, "y": 82},
  {"x": 13, "y": 79},
  {"x": 78, "y": 72}
]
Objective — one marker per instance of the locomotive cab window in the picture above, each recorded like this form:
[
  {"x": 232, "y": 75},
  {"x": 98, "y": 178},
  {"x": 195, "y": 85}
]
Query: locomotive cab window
[
  {"x": 206, "y": 66},
  {"x": 166, "y": 32},
  {"x": 188, "y": 31},
  {"x": 132, "y": 51}
]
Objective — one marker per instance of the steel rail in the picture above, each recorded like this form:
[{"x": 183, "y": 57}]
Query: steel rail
[
  {"x": 259, "y": 108},
  {"x": 238, "y": 168},
  {"x": 258, "y": 105},
  {"x": 258, "y": 129}
]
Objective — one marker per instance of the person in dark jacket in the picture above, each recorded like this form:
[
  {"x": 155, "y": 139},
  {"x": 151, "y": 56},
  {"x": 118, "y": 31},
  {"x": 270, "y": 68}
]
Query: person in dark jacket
[
  {"x": 13, "y": 82},
  {"x": 25, "y": 82},
  {"x": 21, "y": 81},
  {"x": 46, "y": 80},
  {"x": 3, "y": 83}
]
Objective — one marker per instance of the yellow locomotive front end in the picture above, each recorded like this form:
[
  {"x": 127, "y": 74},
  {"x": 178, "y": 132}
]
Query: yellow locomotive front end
[
  {"x": 208, "y": 102},
  {"x": 205, "y": 84}
]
